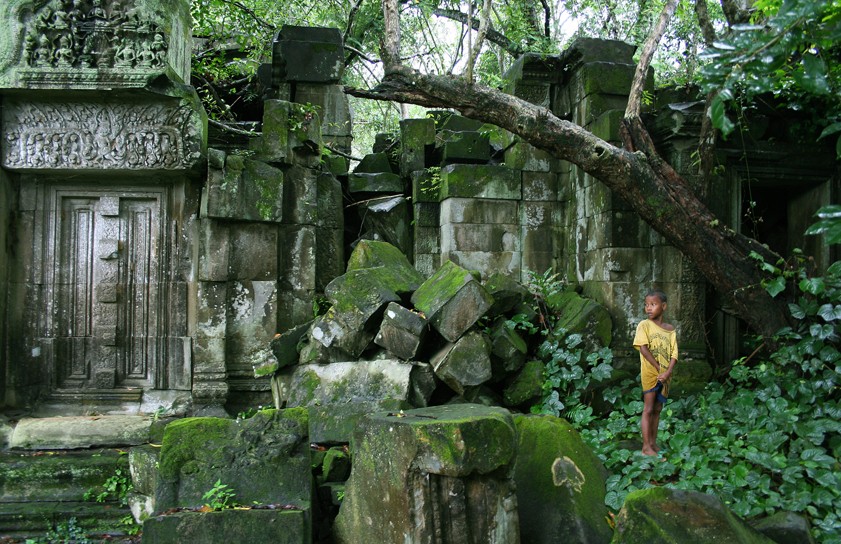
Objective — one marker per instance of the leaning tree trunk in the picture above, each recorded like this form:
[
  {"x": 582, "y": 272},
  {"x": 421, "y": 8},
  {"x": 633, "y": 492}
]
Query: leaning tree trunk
[{"x": 651, "y": 186}]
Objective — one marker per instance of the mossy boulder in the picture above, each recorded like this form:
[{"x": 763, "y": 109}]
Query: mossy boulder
[
  {"x": 577, "y": 314},
  {"x": 662, "y": 515},
  {"x": 560, "y": 484},
  {"x": 452, "y": 300},
  {"x": 263, "y": 459},
  {"x": 443, "y": 470},
  {"x": 374, "y": 253},
  {"x": 526, "y": 386}
]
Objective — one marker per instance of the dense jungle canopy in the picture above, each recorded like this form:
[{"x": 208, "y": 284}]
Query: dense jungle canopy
[{"x": 734, "y": 52}]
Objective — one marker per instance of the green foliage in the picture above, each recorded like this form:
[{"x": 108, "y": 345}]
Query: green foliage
[
  {"x": 766, "y": 439},
  {"x": 829, "y": 224},
  {"x": 220, "y": 497},
  {"x": 66, "y": 532},
  {"x": 570, "y": 371},
  {"x": 572, "y": 365},
  {"x": 789, "y": 50},
  {"x": 116, "y": 487}
]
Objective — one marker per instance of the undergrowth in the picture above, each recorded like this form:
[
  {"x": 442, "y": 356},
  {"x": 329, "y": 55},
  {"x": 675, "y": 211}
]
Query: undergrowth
[{"x": 766, "y": 438}]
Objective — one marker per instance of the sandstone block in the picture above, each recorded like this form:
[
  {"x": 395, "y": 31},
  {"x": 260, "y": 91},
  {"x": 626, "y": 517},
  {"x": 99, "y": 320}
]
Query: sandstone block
[{"x": 453, "y": 300}]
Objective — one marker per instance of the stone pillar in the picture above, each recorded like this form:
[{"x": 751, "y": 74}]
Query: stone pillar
[{"x": 435, "y": 475}]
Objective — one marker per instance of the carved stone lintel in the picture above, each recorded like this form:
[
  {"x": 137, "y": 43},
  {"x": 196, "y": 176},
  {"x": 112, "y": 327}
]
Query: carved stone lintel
[{"x": 86, "y": 135}]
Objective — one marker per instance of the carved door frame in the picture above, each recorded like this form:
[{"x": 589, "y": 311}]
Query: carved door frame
[{"x": 99, "y": 308}]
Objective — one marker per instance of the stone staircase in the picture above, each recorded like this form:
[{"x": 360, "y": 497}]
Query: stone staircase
[{"x": 66, "y": 477}]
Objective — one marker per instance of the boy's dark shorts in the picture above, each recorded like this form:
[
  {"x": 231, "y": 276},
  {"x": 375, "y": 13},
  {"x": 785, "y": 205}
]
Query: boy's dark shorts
[{"x": 659, "y": 390}]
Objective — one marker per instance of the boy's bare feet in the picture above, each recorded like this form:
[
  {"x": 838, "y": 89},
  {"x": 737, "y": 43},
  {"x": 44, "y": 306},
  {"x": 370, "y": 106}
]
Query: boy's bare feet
[{"x": 649, "y": 451}]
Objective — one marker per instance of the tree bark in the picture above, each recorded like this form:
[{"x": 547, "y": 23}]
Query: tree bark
[{"x": 660, "y": 196}]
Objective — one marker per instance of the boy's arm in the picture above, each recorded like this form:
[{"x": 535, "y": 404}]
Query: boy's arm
[
  {"x": 646, "y": 354},
  {"x": 664, "y": 377}
]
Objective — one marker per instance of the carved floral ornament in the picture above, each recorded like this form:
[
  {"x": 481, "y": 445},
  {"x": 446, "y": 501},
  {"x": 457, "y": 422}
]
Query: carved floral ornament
[
  {"x": 80, "y": 135},
  {"x": 96, "y": 34}
]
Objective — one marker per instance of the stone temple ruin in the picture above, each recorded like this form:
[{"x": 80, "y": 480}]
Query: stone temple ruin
[{"x": 145, "y": 272}]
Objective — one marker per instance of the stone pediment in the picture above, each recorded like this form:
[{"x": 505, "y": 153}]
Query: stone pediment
[{"x": 92, "y": 44}]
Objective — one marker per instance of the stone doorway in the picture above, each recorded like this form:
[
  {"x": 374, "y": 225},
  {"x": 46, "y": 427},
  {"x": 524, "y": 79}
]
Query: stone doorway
[{"x": 106, "y": 286}]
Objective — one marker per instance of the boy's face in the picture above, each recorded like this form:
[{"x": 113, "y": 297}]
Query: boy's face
[{"x": 654, "y": 307}]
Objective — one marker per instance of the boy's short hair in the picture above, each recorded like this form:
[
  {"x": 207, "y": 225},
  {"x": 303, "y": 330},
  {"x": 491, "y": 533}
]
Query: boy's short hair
[{"x": 659, "y": 294}]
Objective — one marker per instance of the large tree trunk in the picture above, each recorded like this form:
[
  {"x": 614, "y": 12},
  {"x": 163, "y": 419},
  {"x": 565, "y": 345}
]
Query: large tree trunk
[{"x": 651, "y": 186}]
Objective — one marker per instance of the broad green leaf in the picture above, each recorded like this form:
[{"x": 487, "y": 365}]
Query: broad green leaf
[
  {"x": 776, "y": 286},
  {"x": 830, "y": 312},
  {"x": 719, "y": 118}
]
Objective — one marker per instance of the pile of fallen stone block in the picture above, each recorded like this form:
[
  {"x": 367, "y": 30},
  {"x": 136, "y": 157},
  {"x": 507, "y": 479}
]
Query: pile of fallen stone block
[{"x": 394, "y": 340}]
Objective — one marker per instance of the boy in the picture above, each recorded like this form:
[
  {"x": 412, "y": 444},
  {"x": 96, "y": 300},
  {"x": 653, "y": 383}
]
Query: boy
[{"x": 657, "y": 344}]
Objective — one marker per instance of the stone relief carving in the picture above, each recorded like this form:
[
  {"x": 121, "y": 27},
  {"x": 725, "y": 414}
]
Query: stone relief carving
[
  {"x": 87, "y": 135},
  {"x": 92, "y": 34}
]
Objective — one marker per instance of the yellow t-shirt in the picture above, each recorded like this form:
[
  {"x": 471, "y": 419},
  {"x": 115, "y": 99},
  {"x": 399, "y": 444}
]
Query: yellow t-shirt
[{"x": 663, "y": 346}]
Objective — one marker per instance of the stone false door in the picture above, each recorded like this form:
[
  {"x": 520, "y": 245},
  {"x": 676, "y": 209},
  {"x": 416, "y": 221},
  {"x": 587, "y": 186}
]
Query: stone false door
[{"x": 105, "y": 273}]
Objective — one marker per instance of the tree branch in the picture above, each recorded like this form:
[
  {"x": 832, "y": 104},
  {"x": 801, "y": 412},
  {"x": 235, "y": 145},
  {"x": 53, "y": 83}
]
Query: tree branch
[
  {"x": 493, "y": 36},
  {"x": 391, "y": 39},
  {"x": 648, "y": 50},
  {"x": 262, "y": 22}
]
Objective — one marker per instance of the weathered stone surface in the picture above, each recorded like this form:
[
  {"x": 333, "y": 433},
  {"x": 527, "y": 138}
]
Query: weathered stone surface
[
  {"x": 89, "y": 135},
  {"x": 526, "y": 386},
  {"x": 264, "y": 458},
  {"x": 273, "y": 145},
  {"x": 426, "y": 187},
  {"x": 508, "y": 349},
  {"x": 374, "y": 253},
  {"x": 143, "y": 461},
  {"x": 459, "y": 123},
  {"x": 479, "y": 211},
  {"x": 227, "y": 526},
  {"x": 61, "y": 433},
  {"x": 247, "y": 190},
  {"x": 370, "y": 382},
  {"x": 560, "y": 487},
  {"x": 452, "y": 300},
  {"x": 466, "y": 365},
  {"x": 507, "y": 293},
  {"x": 373, "y": 163},
  {"x": 285, "y": 345},
  {"x": 480, "y": 181},
  {"x": 336, "y": 465},
  {"x": 378, "y": 182},
  {"x": 307, "y": 54},
  {"x": 464, "y": 147},
  {"x": 66, "y": 46},
  {"x": 581, "y": 315},
  {"x": 445, "y": 471},
  {"x": 388, "y": 220},
  {"x": 342, "y": 335},
  {"x": 334, "y": 110},
  {"x": 60, "y": 476},
  {"x": 401, "y": 331},
  {"x": 415, "y": 136},
  {"x": 660, "y": 514},
  {"x": 785, "y": 528}
]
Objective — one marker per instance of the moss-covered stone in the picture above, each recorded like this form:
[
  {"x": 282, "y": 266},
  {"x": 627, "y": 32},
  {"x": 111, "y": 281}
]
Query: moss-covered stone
[
  {"x": 670, "y": 516},
  {"x": 264, "y": 458},
  {"x": 526, "y": 386},
  {"x": 464, "y": 450},
  {"x": 452, "y": 300},
  {"x": 577, "y": 314},
  {"x": 560, "y": 487},
  {"x": 374, "y": 253},
  {"x": 480, "y": 181},
  {"x": 227, "y": 526}
]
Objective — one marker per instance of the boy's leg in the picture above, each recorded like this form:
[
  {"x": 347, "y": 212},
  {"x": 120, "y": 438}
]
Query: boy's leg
[
  {"x": 649, "y": 401},
  {"x": 655, "y": 424}
]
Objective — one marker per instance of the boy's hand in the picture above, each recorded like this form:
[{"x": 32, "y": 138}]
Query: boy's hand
[{"x": 664, "y": 377}]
